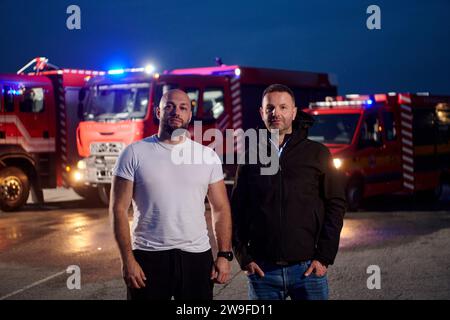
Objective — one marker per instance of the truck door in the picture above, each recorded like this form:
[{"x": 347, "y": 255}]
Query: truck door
[
  {"x": 370, "y": 153},
  {"x": 207, "y": 107},
  {"x": 71, "y": 99},
  {"x": 36, "y": 123},
  {"x": 8, "y": 119},
  {"x": 390, "y": 159},
  {"x": 34, "y": 120},
  {"x": 208, "y": 97},
  {"x": 211, "y": 101},
  {"x": 214, "y": 108}
]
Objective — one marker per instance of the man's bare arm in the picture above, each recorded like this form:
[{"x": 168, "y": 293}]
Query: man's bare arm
[
  {"x": 121, "y": 195},
  {"x": 221, "y": 215},
  {"x": 221, "y": 220}
]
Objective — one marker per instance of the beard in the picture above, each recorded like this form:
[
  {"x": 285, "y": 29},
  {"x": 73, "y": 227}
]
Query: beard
[
  {"x": 171, "y": 128},
  {"x": 272, "y": 125}
]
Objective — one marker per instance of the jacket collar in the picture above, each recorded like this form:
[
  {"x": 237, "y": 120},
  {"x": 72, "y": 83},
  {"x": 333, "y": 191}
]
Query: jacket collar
[{"x": 297, "y": 136}]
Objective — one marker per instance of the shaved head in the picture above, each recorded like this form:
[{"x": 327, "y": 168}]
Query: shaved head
[{"x": 176, "y": 94}]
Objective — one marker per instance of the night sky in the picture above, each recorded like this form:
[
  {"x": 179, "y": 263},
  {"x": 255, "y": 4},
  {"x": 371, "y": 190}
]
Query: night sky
[{"x": 410, "y": 53}]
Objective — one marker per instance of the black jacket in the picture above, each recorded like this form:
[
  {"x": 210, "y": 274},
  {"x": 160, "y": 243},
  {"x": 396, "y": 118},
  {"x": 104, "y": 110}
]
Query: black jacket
[{"x": 296, "y": 214}]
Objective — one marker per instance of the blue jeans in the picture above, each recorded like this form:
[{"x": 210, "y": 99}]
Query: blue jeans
[{"x": 280, "y": 282}]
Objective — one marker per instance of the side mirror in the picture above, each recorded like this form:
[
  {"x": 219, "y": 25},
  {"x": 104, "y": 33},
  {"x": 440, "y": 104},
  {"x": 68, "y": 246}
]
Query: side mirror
[
  {"x": 80, "y": 111},
  {"x": 81, "y": 94},
  {"x": 81, "y": 97}
]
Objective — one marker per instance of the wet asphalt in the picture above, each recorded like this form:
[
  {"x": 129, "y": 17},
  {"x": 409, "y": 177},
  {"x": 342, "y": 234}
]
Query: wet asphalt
[{"x": 407, "y": 238}]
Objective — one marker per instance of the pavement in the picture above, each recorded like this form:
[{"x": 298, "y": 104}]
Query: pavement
[{"x": 408, "y": 241}]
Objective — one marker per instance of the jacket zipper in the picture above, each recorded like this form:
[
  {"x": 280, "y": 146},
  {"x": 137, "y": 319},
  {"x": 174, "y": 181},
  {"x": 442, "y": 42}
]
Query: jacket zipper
[
  {"x": 317, "y": 234},
  {"x": 280, "y": 257},
  {"x": 281, "y": 213}
]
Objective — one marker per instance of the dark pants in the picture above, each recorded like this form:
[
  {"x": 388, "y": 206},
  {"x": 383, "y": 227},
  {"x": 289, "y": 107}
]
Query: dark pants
[{"x": 174, "y": 273}]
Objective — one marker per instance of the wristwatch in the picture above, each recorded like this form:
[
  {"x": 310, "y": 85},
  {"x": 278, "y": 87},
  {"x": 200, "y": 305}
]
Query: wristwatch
[{"x": 226, "y": 254}]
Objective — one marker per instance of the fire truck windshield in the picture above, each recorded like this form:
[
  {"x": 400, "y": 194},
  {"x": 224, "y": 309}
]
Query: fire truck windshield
[
  {"x": 334, "y": 128},
  {"x": 117, "y": 102}
]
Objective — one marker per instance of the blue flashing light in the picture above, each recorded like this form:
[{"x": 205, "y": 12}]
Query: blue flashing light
[
  {"x": 369, "y": 102},
  {"x": 14, "y": 92},
  {"x": 116, "y": 71}
]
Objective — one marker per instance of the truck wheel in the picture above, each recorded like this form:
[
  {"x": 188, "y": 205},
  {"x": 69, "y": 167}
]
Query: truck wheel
[
  {"x": 354, "y": 194},
  {"x": 88, "y": 193},
  {"x": 438, "y": 191},
  {"x": 104, "y": 193},
  {"x": 434, "y": 194},
  {"x": 14, "y": 188}
]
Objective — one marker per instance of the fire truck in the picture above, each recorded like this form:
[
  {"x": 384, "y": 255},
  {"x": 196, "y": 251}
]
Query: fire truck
[
  {"x": 119, "y": 108},
  {"x": 38, "y": 121},
  {"x": 386, "y": 143}
]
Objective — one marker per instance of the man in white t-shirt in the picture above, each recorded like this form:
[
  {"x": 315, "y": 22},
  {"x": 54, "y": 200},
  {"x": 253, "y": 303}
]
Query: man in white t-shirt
[{"x": 169, "y": 253}]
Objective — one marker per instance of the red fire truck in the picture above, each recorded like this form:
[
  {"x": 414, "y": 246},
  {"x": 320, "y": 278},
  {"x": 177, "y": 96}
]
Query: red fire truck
[
  {"x": 38, "y": 120},
  {"x": 120, "y": 108},
  {"x": 386, "y": 143}
]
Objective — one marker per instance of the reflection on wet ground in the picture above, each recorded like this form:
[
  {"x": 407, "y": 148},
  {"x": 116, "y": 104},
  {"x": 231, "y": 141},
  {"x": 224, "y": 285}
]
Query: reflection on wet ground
[
  {"x": 41, "y": 241},
  {"x": 376, "y": 229},
  {"x": 75, "y": 232},
  {"x": 30, "y": 225}
]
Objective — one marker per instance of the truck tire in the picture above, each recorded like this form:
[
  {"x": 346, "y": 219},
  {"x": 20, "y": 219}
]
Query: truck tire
[
  {"x": 88, "y": 193},
  {"x": 433, "y": 195},
  {"x": 14, "y": 188},
  {"x": 354, "y": 194},
  {"x": 104, "y": 193}
]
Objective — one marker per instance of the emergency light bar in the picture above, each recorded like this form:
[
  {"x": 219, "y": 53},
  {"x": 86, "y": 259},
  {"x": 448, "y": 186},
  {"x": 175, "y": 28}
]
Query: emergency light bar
[
  {"x": 329, "y": 104},
  {"x": 225, "y": 70},
  {"x": 149, "y": 69},
  {"x": 41, "y": 66},
  {"x": 85, "y": 72},
  {"x": 116, "y": 71},
  {"x": 13, "y": 92}
]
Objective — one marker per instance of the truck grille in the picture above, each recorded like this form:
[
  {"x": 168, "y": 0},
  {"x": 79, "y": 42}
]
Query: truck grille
[
  {"x": 100, "y": 168},
  {"x": 106, "y": 148}
]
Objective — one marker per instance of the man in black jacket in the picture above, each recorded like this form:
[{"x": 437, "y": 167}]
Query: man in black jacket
[{"x": 286, "y": 226}]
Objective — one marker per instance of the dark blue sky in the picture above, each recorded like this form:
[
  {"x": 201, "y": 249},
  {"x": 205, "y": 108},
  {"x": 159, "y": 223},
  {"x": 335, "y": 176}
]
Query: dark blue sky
[{"x": 410, "y": 53}]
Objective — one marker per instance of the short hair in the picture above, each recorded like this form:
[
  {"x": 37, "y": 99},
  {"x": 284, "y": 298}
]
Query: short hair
[{"x": 279, "y": 88}]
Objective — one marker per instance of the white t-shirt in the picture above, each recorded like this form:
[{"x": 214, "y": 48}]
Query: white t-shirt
[{"x": 170, "y": 186}]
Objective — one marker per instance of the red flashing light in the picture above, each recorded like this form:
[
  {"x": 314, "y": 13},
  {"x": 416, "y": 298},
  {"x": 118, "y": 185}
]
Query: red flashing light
[{"x": 380, "y": 98}]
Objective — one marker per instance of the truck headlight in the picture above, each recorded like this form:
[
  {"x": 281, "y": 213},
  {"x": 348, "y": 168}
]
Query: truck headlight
[
  {"x": 77, "y": 176},
  {"x": 81, "y": 165},
  {"x": 337, "y": 163}
]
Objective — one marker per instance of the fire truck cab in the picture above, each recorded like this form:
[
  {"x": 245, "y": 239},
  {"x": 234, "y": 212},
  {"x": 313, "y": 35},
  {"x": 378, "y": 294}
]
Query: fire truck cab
[
  {"x": 27, "y": 142},
  {"x": 38, "y": 120},
  {"x": 119, "y": 108},
  {"x": 386, "y": 143}
]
